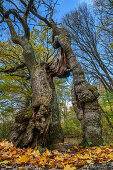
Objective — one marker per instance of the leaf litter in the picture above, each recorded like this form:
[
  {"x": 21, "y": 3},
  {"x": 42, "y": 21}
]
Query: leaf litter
[{"x": 70, "y": 160}]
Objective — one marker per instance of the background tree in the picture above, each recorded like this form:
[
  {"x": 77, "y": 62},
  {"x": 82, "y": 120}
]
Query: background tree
[
  {"x": 90, "y": 47},
  {"x": 104, "y": 26}
]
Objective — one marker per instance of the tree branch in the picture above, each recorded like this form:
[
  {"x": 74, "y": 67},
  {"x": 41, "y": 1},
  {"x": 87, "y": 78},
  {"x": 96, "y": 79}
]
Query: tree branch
[
  {"x": 2, "y": 20},
  {"x": 13, "y": 69},
  {"x": 15, "y": 5},
  {"x": 23, "y": 2},
  {"x": 34, "y": 12},
  {"x": 14, "y": 36},
  {"x": 22, "y": 20},
  {"x": 22, "y": 76},
  {"x": 28, "y": 7}
]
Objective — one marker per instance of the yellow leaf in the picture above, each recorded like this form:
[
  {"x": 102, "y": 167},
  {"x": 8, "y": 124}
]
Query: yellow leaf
[
  {"x": 36, "y": 153},
  {"x": 111, "y": 144},
  {"x": 59, "y": 158},
  {"x": 48, "y": 152},
  {"x": 68, "y": 150},
  {"x": 110, "y": 156},
  {"x": 75, "y": 147},
  {"x": 61, "y": 144},
  {"x": 98, "y": 151},
  {"x": 22, "y": 168},
  {"x": 24, "y": 158},
  {"x": 68, "y": 167},
  {"x": 89, "y": 162},
  {"x": 4, "y": 162}
]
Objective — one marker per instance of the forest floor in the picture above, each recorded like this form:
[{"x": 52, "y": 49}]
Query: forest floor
[
  {"x": 68, "y": 157},
  {"x": 75, "y": 140}
]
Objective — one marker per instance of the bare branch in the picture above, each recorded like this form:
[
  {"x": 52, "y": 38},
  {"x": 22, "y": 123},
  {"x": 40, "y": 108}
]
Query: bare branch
[
  {"x": 15, "y": 6},
  {"x": 14, "y": 36},
  {"x": 2, "y": 20},
  {"x": 34, "y": 12},
  {"x": 23, "y": 2},
  {"x": 28, "y": 7},
  {"x": 22, "y": 21},
  {"x": 49, "y": 24}
]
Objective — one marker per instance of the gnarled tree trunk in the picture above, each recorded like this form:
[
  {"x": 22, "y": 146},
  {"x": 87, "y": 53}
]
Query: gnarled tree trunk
[
  {"x": 33, "y": 128},
  {"x": 85, "y": 96},
  {"x": 40, "y": 122}
]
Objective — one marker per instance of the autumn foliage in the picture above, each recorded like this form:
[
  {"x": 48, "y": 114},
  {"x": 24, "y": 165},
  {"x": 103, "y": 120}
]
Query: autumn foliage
[{"x": 74, "y": 157}]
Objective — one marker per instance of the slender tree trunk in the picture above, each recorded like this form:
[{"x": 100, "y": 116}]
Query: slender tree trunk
[
  {"x": 56, "y": 133},
  {"x": 84, "y": 95}
]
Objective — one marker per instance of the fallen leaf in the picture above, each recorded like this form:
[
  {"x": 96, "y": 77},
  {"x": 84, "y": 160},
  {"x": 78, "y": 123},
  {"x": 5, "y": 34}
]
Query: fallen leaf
[
  {"x": 68, "y": 167},
  {"x": 82, "y": 163},
  {"x": 61, "y": 144},
  {"x": 90, "y": 162},
  {"x": 75, "y": 148},
  {"x": 4, "y": 162},
  {"x": 24, "y": 159},
  {"x": 22, "y": 168},
  {"x": 68, "y": 150}
]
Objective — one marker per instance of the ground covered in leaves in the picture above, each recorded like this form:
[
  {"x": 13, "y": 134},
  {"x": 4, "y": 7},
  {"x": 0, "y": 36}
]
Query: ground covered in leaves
[{"x": 74, "y": 158}]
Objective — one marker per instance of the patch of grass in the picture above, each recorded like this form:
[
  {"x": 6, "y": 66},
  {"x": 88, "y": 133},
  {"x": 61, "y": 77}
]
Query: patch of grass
[{"x": 40, "y": 148}]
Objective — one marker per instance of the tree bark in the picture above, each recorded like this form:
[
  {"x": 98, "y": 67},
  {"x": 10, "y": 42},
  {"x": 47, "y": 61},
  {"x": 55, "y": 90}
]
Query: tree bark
[
  {"x": 84, "y": 95},
  {"x": 33, "y": 128},
  {"x": 55, "y": 132},
  {"x": 39, "y": 123}
]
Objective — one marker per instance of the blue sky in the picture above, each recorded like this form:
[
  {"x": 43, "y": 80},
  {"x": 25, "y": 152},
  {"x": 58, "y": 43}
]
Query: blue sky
[{"x": 65, "y": 6}]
